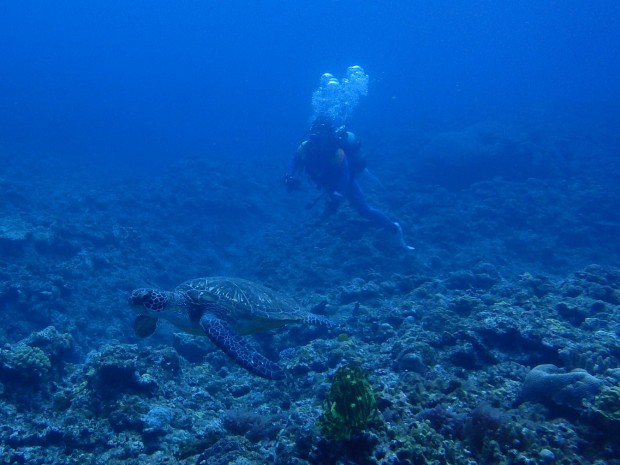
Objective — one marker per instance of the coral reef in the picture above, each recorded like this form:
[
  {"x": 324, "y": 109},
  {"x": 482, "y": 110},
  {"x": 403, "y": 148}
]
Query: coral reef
[
  {"x": 607, "y": 404},
  {"x": 549, "y": 385},
  {"x": 24, "y": 362},
  {"x": 509, "y": 278}
]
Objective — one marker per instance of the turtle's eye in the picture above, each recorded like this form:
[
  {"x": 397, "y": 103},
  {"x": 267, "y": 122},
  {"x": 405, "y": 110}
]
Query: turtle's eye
[{"x": 137, "y": 297}]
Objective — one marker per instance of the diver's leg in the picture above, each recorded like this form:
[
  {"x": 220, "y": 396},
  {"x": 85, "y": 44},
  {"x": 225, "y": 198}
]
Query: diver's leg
[{"x": 358, "y": 202}]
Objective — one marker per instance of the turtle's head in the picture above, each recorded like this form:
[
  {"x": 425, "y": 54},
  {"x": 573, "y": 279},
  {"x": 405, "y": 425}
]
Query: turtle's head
[{"x": 149, "y": 301}]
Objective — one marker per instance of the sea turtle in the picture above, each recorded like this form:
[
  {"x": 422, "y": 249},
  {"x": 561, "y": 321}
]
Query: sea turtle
[{"x": 222, "y": 309}]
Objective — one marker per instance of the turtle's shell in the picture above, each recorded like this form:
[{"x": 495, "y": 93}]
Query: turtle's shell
[{"x": 247, "y": 306}]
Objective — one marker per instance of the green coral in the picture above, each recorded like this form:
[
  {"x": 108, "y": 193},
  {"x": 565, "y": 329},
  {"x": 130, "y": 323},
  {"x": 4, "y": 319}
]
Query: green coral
[
  {"x": 350, "y": 404},
  {"x": 607, "y": 403},
  {"x": 26, "y": 361}
]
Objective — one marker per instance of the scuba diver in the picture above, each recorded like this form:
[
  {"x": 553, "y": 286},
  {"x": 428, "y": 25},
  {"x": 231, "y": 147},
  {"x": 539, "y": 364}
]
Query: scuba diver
[{"x": 331, "y": 157}]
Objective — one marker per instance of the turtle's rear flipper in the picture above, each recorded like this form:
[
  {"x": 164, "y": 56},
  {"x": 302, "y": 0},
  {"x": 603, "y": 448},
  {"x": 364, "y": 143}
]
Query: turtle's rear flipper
[{"x": 222, "y": 335}]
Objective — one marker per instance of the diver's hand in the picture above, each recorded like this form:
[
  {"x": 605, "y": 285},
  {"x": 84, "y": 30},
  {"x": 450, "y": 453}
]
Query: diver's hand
[{"x": 291, "y": 183}]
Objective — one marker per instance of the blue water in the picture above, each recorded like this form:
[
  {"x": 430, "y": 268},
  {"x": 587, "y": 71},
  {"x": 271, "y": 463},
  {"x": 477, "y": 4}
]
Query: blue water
[
  {"x": 125, "y": 83},
  {"x": 144, "y": 144}
]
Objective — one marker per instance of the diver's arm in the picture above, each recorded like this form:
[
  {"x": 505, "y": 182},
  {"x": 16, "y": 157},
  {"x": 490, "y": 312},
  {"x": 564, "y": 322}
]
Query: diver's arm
[{"x": 295, "y": 167}]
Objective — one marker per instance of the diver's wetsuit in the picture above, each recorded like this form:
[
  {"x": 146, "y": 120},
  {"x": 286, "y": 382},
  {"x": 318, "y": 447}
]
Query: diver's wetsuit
[{"x": 326, "y": 160}]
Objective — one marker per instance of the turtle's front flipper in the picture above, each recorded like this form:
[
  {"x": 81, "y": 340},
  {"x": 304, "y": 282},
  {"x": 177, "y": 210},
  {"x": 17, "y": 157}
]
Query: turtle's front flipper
[
  {"x": 222, "y": 335},
  {"x": 144, "y": 325}
]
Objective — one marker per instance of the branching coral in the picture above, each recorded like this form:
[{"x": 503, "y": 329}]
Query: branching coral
[
  {"x": 607, "y": 403},
  {"x": 25, "y": 362}
]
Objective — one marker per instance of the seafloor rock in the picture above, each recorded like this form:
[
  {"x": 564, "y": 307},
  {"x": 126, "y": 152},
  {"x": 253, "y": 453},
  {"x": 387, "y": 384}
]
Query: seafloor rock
[
  {"x": 359, "y": 289},
  {"x": 412, "y": 362},
  {"x": 117, "y": 369},
  {"x": 31, "y": 361},
  {"x": 13, "y": 230},
  {"x": 190, "y": 347},
  {"x": 553, "y": 387},
  {"x": 157, "y": 420},
  {"x": 54, "y": 344},
  {"x": 480, "y": 152},
  {"x": 505, "y": 334},
  {"x": 14, "y": 234},
  {"x": 471, "y": 280}
]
